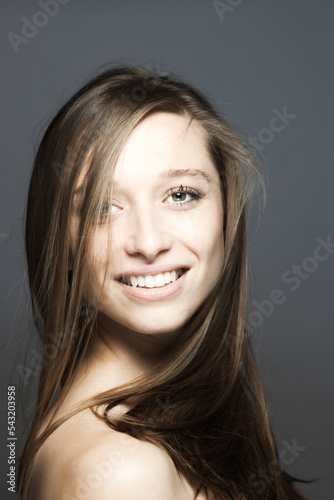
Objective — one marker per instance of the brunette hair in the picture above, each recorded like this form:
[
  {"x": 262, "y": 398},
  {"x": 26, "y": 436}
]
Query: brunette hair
[{"x": 204, "y": 403}]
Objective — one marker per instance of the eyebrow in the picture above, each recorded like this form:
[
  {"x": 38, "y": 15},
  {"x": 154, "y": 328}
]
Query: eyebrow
[
  {"x": 166, "y": 174},
  {"x": 193, "y": 172}
]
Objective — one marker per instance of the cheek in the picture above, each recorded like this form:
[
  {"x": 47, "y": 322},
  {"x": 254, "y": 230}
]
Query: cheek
[
  {"x": 100, "y": 261},
  {"x": 103, "y": 248},
  {"x": 99, "y": 253},
  {"x": 203, "y": 229},
  {"x": 211, "y": 242}
]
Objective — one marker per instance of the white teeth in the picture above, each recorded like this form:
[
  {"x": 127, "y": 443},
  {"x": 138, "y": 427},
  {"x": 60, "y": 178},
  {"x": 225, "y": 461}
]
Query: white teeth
[
  {"x": 134, "y": 281},
  {"x": 141, "y": 281},
  {"x": 157, "y": 280},
  {"x": 167, "y": 277},
  {"x": 149, "y": 281}
]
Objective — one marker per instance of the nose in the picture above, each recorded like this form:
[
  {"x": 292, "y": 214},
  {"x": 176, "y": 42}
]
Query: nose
[{"x": 148, "y": 235}]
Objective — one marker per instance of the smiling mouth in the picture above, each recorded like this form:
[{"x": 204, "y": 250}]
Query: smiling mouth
[{"x": 152, "y": 281}]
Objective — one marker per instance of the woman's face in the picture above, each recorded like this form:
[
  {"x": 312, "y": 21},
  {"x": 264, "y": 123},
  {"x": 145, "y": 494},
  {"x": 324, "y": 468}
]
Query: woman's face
[{"x": 162, "y": 245}]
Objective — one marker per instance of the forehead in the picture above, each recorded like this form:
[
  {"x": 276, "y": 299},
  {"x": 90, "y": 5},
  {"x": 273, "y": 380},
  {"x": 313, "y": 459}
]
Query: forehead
[
  {"x": 160, "y": 142},
  {"x": 162, "y": 146}
]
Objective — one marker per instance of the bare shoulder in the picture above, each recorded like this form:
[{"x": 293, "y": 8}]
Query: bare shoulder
[{"x": 84, "y": 459}]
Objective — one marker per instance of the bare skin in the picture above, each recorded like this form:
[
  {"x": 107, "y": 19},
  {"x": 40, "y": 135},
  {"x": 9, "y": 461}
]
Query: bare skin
[{"x": 85, "y": 459}]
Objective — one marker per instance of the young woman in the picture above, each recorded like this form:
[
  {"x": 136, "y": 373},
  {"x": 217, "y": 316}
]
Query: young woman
[{"x": 136, "y": 252}]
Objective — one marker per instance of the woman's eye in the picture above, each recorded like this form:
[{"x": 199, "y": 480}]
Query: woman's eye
[
  {"x": 182, "y": 195},
  {"x": 108, "y": 209}
]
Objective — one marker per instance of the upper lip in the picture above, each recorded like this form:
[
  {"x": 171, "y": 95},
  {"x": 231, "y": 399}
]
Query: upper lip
[{"x": 152, "y": 271}]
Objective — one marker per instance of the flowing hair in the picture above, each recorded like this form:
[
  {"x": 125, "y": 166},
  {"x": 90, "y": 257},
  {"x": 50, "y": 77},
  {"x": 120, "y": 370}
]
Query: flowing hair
[{"x": 204, "y": 402}]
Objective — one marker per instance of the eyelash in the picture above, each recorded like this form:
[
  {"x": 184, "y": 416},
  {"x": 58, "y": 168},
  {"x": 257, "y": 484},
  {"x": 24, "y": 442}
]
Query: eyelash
[
  {"x": 185, "y": 190},
  {"x": 195, "y": 195}
]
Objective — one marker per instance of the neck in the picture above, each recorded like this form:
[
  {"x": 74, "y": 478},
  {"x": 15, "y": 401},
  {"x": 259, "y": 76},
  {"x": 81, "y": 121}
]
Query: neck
[{"x": 117, "y": 355}]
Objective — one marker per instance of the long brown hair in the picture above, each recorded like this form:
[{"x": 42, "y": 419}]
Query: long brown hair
[{"x": 203, "y": 403}]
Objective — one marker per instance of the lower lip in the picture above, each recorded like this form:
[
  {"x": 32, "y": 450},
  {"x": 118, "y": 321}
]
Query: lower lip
[{"x": 153, "y": 294}]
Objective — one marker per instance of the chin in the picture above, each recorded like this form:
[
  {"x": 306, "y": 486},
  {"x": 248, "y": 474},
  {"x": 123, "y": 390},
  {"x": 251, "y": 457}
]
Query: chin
[
  {"x": 155, "y": 327},
  {"x": 148, "y": 324}
]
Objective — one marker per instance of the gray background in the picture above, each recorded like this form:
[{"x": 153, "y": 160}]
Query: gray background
[{"x": 255, "y": 57}]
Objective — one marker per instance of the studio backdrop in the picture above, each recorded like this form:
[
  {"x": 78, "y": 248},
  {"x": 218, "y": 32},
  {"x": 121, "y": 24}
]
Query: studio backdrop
[{"x": 268, "y": 68}]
